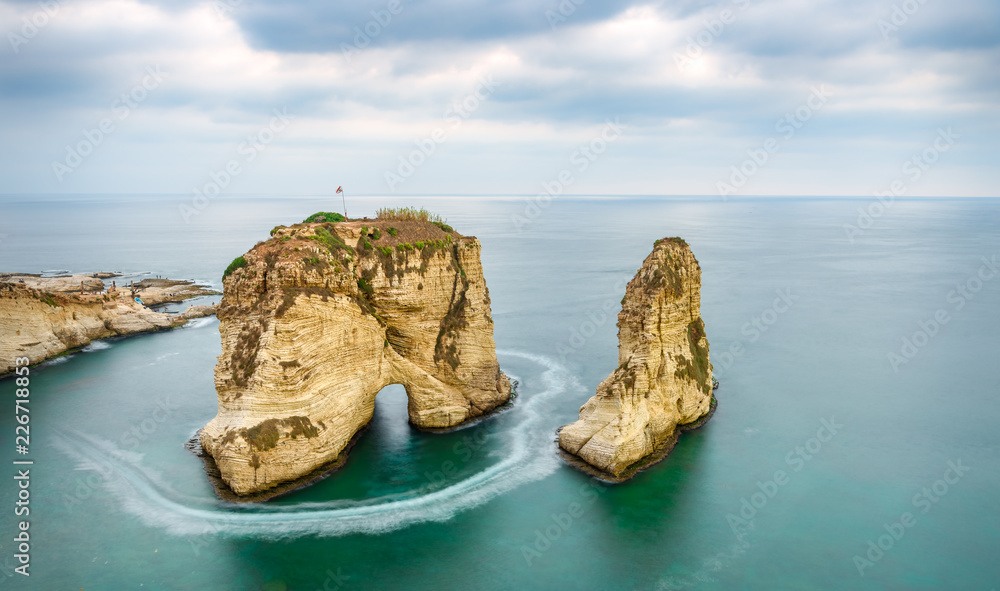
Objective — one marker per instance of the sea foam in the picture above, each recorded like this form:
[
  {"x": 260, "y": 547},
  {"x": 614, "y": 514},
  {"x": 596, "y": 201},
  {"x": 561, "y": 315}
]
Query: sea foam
[{"x": 527, "y": 456}]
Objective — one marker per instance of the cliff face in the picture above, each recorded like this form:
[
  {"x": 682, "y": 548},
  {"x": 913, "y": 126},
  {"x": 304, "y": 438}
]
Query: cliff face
[
  {"x": 664, "y": 378},
  {"x": 40, "y": 324},
  {"x": 323, "y": 316}
]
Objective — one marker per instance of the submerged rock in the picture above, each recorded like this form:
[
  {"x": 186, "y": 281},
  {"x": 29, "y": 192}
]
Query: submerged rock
[
  {"x": 663, "y": 383},
  {"x": 321, "y": 317}
]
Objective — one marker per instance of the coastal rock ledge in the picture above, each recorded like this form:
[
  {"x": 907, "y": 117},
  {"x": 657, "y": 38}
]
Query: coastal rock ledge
[
  {"x": 663, "y": 383},
  {"x": 319, "y": 318},
  {"x": 43, "y": 317}
]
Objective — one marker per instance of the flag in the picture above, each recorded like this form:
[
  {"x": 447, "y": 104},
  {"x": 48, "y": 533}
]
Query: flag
[{"x": 340, "y": 189}]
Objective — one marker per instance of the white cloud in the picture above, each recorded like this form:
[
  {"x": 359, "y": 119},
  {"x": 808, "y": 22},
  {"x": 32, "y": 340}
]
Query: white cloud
[{"x": 555, "y": 88}]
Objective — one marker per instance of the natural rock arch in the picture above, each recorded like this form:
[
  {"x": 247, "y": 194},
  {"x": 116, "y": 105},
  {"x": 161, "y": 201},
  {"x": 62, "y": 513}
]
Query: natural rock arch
[{"x": 321, "y": 318}]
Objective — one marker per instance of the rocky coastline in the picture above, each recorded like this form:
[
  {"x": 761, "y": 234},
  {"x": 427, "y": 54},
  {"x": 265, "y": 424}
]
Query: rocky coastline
[{"x": 44, "y": 317}]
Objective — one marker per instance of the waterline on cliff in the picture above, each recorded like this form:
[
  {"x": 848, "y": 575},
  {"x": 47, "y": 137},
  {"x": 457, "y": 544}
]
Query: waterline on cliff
[{"x": 144, "y": 494}]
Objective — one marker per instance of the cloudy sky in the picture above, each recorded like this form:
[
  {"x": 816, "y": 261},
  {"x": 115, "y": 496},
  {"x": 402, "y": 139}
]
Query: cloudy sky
[{"x": 514, "y": 97}]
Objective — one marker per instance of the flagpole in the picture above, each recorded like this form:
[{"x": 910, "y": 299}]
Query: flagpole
[{"x": 343, "y": 197}]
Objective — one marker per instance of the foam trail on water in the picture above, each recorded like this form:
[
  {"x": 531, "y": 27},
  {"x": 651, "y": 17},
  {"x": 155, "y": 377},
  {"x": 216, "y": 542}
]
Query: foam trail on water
[
  {"x": 96, "y": 346},
  {"x": 55, "y": 361},
  {"x": 710, "y": 567},
  {"x": 527, "y": 457},
  {"x": 200, "y": 322}
]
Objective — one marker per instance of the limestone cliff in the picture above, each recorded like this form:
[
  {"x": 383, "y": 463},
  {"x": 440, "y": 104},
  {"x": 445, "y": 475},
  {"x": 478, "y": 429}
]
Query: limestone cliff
[
  {"x": 664, "y": 379},
  {"x": 318, "y": 319},
  {"x": 39, "y": 323}
]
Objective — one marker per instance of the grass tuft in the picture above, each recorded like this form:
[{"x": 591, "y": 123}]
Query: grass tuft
[
  {"x": 323, "y": 216},
  {"x": 410, "y": 214}
]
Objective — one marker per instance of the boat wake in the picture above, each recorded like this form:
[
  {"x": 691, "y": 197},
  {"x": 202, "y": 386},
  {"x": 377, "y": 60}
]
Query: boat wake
[{"x": 527, "y": 457}]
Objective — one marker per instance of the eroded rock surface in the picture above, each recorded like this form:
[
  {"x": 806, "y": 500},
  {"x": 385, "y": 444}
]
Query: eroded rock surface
[
  {"x": 664, "y": 378},
  {"x": 39, "y": 323},
  {"x": 321, "y": 317}
]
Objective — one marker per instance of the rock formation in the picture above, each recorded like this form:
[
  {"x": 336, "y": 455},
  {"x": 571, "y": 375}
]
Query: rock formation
[
  {"x": 663, "y": 383},
  {"x": 39, "y": 323},
  {"x": 318, "y": 319},
  {"x": 59, "y": 284}
]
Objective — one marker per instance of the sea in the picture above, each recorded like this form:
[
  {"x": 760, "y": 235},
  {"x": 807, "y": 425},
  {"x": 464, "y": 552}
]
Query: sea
[{"x": 855, "y": 445}]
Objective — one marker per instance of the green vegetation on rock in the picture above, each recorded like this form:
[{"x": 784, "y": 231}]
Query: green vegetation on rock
[
  {"x": 331, "y": 241},
  {"x": 243, "y": 362},
  {"x": 445, "y": 348},
  {"x": 698, "y": 368},
  {"x": 265, "y": 435},
  {"x": 323, "y": 216},
  {"x": 671, "y": 240},
  {"x": 238, "y": 263},
  {"x": 411, "y": 214},
  {"x": 365, "y": 287}
]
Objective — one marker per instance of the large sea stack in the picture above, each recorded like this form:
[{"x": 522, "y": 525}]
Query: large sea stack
[
  {"x": 663, "y": 383},
  {"x": 319, "y": 318}
]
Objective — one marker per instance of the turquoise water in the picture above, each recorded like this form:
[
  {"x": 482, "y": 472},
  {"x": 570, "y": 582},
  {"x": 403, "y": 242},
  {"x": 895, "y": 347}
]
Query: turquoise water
[{"x": 118, "y": 503}]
